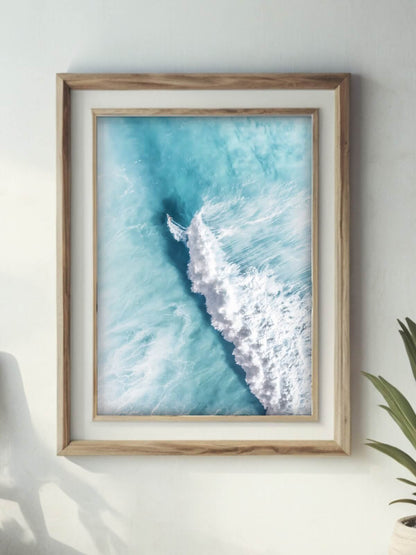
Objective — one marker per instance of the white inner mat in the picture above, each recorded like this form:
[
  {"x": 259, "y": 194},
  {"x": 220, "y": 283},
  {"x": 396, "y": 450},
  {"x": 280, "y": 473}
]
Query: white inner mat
[{"x": 82, "y": 425}]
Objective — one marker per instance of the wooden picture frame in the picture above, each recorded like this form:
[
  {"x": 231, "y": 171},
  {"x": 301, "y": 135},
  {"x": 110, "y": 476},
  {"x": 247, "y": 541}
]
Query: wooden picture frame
[{"x": 338, "y": 86}]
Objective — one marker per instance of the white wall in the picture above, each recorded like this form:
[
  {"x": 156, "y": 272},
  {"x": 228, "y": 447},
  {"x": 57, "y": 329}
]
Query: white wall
[{"x": 197, "y": 506}]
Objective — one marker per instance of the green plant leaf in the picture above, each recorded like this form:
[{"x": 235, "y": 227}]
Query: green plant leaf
[
  {"x": 409, "y": 433},
  {"x": 409, "y": 340},
  {"x": 406, "y": 481},
  {"x": 410, "y": 351},
  {"x": 412, "y": 328},
  {"x": 381, "y": 388},
  {"x": 395, "y": 453},
  {"x": 399, "y": 400},
  {"x": 402, "y": 409},
  {"x": 412, "y": 501},
  {"x": 399, "y": 407},
  {"x": 407, "y": 332}
]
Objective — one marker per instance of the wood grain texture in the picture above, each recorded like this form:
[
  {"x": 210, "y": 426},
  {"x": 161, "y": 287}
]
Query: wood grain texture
[
  {"x": 192, "y": 447},
  {"x": 342, "y": 431},
  {"x": 315, "y": 264},
  {"x": 340, "y": 84},
  {"x": 197, "y": 81},
  {"x": 202, "y": 112},
  {"x": 95, "y": 262},
  {"x": 209, "y": 112},
  {"x": 203, "y": 418},
  {"x": 63, "y": 243}
]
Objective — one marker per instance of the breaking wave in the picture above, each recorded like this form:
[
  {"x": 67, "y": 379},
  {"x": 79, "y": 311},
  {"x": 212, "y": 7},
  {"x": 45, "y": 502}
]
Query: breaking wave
[{"x": 267, "y": 322}]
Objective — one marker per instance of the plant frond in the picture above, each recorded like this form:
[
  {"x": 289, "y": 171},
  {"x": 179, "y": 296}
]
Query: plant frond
[
  {"x": 409, "y": 339},
  {"x": 398, "y": 407},
  {"x": 412, "y": 501},
  {"x": 406, "y": 481},
  {"x": 397, "y": 454}
]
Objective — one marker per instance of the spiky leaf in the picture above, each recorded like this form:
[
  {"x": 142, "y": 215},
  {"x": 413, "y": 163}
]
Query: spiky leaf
[
  {"x": 409, "y": 433},
  {"x": 410, "y": 352},
  {"x": 399, "y": 407},
  {"x": 395, "y": 453},
  {"x": 399, "y": 400},
  {"x": 409, "y": 340},
  {"x": 406, "y": 481},
  {"x": 412, "y": 501},
  {"x": 412, "y": 328}
]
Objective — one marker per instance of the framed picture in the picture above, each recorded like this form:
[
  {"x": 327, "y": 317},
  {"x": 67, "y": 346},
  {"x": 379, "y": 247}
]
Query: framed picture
[{"x": 203, "y": 268}]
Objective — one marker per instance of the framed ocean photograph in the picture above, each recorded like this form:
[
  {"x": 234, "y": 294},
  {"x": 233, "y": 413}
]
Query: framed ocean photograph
[
  {"x": 203, "y": 264},
  {"x": 204, "y": 260}
]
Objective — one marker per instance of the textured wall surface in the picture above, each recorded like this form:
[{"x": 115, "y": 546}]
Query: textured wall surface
[{"x": 158, "y": 506}]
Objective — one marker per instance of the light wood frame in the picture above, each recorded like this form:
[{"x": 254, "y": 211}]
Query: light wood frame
[{"x": 339, "y": 83}]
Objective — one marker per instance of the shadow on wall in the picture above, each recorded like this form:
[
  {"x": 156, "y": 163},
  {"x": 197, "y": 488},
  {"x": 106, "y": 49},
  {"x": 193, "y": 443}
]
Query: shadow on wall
[{"x": 25, "y": 467}]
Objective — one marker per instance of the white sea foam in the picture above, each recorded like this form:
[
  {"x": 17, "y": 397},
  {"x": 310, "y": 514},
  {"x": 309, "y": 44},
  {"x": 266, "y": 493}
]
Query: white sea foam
[
  {"x": 267, "y": 322},
  {"x": 178, "y": 231}
]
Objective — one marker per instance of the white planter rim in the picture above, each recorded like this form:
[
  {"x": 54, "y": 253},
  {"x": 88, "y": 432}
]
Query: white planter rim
[{"x": 406, "y": 532}]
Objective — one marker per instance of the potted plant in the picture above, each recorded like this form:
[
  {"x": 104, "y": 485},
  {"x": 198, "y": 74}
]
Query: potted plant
[{"x": 403, "y": 541}]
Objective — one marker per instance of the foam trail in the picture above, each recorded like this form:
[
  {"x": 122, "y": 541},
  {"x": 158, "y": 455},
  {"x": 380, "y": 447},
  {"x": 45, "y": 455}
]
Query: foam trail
[
  {"x": 267, "y": 322},
  {"x": 178, "y": 231}
]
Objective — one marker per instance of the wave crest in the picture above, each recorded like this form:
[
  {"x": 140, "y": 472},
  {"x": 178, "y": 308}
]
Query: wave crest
[{"x": 267, "y": 322}]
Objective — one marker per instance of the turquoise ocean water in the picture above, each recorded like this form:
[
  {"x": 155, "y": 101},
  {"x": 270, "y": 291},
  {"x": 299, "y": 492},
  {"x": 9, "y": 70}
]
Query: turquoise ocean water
[{"x": 211, "y": 314}]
